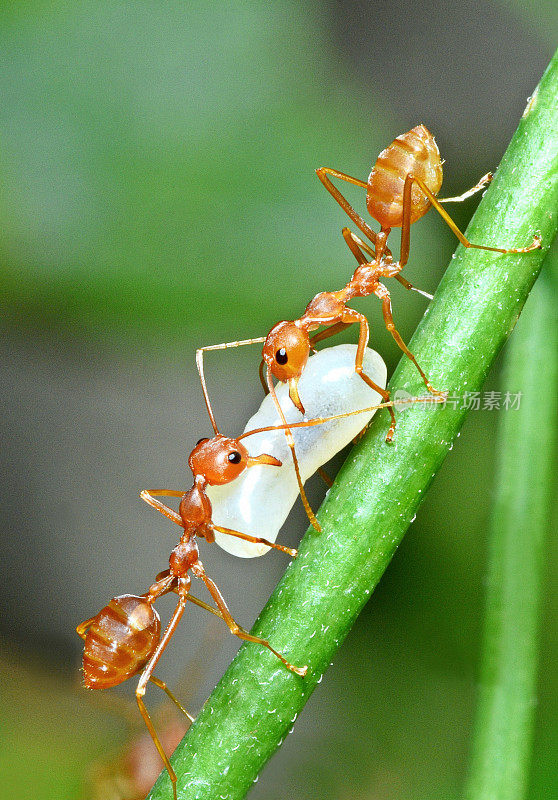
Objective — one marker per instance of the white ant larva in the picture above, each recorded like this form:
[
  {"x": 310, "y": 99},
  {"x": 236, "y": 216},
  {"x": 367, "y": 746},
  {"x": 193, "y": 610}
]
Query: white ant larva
[{"x": 259, "y": 500}]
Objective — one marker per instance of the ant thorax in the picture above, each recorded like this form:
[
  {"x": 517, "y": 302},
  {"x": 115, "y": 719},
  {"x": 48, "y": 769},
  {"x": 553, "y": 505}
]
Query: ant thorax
[
  {"x": 195, "y": 508},
  {"x": 184, "y": 556},
  {"x": 364, "y": 280},
  {"x": 326, "y": 306}
]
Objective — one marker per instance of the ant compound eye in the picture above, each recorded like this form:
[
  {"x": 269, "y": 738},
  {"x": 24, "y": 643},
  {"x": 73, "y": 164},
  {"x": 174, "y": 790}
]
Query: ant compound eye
[
  {"x": 281, "y": 356},
  {"x": 203, "y": 439},
  {"x": 235, "y": 457}
]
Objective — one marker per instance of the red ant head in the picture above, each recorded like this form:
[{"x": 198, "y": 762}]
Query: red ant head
[
  {"x": 220, "y": 460},
  {"x": 286, "y": 352}
]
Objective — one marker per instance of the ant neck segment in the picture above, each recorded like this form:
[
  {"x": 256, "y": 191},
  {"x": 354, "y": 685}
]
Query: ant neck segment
[{"x": 200, "y": 482}]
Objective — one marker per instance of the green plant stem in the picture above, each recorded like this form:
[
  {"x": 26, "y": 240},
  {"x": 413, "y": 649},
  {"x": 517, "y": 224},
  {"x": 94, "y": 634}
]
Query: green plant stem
[
  {"x": 505, "y": 713},
  {"x": 380, "y": 486}
]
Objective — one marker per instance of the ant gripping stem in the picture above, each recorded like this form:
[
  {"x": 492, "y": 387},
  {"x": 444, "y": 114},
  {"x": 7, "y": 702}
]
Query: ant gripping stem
[{"x": 412, "y": 158}]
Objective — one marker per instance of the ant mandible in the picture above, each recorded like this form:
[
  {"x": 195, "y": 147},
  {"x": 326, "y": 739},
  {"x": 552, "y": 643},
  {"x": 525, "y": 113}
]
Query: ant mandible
[{"x": 401, "y": 188}]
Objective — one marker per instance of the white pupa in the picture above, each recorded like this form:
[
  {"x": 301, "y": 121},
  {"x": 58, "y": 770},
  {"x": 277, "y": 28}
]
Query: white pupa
[{"x": 259, "y": 501}]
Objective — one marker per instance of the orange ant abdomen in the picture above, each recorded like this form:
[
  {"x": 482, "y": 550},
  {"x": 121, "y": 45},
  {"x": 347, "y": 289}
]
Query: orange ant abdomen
[
  {"x": 414, "y": 153},
  {"x": 119, "y": 641}
]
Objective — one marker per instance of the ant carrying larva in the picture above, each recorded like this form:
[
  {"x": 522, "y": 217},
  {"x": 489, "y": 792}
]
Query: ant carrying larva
[
  {"x": 401, "y": 188},
  {"x": 124, "y": 638}
]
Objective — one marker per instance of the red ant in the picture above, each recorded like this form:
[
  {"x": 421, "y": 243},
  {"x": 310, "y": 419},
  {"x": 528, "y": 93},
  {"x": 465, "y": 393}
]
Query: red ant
[
  {"x": 401, "y": 188},
  {"x": 124, "y": 638}
]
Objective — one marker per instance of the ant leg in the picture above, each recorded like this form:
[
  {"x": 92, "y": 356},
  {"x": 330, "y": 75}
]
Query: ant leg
[
  {"x": 149, "y": 497},
  {"x": 325, "y": 477},
  {"x": 354, "y": 316},
  {"x": 205, "y": 653},
  {"x": 360, "y": 434},
  {"x": 383, "y": 294},
  {"x": 146, "y": 676},
  {"x": 407, "y": 285},
  {"x": 261, "y": 372},
  {"x": 363, "y": 246},
  {"x": 290, "y": 441},
  {"x": 256, "y": 540},
  {"x": 484, "y": 181},
  {"x": 173, "y": 587},
  {"x": 233, "y": 626},
  {"x": 320, "y": 420},
  {"x": 322, "y": 174},
  {"x": 356, "y": 246},
  {"x": 406, "y": 224},
  {"x": 83, "y": 627},
  {"x": 197, "y": 602},
  {"x": 199, "y": 364},
  {"x": 162, "y": 685},
  {"x": 327, "y": 332},
  {"x": 348, "y": 234}
]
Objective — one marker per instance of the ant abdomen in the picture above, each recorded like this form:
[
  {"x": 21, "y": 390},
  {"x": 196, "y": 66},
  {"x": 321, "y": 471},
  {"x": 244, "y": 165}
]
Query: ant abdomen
[
  {"x": 119, "y": 641},
  {"x": 416, "y": 153}
]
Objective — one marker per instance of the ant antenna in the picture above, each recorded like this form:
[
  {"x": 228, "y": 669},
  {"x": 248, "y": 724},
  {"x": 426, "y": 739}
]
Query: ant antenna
[
  {"x": 199, "y": 364},
  {"x": 320, "y": 420}
]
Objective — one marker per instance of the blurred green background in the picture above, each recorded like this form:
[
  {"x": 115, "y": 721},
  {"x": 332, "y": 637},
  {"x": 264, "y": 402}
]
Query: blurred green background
[{"x": 157, "y": 193}]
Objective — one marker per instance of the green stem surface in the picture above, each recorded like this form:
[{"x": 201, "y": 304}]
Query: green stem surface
[
  {"x": 526, "y": 440},
  {"x": 380, "y": 487}
]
